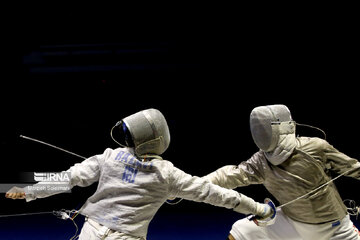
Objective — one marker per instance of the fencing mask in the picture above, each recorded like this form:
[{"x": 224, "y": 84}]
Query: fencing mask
[
  {"x": 147, "y": 131},
  {"x": 273, "y": 131}
]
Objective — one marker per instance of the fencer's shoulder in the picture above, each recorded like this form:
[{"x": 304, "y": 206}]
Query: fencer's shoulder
[
  {"x": 164, "y": 169},
  {"x": 106, "y": 153},
  {"x": 311, "y": 143},
  {"x": 120, "y": 150},
  {"x": 257, "y": 158},
  {"x": 109, "y": 150},
  {"x": 258, "y": 154},
  {"x": 162, "y": 164},
  {"x": 123, "y": 149}
]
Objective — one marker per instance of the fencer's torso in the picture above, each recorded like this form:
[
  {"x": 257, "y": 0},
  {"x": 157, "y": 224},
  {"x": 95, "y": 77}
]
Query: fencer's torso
[
  {"x": 307, "y": 168},
  {"x": 129, "y": 193},
  {"x": 304, "y": 171}
]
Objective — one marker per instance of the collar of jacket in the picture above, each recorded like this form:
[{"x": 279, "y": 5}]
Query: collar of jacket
[{"x": 285, "y": 147}]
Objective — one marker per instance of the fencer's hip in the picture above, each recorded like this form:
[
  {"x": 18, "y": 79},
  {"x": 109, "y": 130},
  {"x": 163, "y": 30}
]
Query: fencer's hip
[{"x": 92, "y": 230}]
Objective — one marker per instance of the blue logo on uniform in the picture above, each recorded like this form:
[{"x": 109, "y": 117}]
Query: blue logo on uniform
[
  {"x": 129, "y": 174},
  {"x": 130, "y": 159}
]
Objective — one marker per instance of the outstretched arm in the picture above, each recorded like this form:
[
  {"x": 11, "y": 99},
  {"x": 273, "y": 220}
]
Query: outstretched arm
[
  {"x": 198, "y": 189},
  {"x": 246, "y": 173},
  {"x": 81, "y": 174}
]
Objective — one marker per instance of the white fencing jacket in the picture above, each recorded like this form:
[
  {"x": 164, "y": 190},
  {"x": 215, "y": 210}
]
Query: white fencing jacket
[{"x": 130, "y": 191}]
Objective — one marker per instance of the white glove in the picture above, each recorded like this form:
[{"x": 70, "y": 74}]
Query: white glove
[
  {"x": 262, "y": 214},
  {"x": 249, "y": 206},
  {"x": 266, "y": 219}
]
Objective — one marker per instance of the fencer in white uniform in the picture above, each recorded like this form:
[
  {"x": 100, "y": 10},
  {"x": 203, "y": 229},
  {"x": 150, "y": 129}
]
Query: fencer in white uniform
[
  {"x": 289, "y": 167},
  {"x": 134, "y": 181}
]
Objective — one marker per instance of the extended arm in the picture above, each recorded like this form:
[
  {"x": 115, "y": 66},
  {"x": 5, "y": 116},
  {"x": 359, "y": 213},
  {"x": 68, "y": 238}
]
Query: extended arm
[
  {"x": 81, "y": 174},
  {"x": 200, "y": 190},
  {"x": 246, "y": 173}
]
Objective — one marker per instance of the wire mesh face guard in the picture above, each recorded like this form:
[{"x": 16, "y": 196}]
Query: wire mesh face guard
[
  {"x": 127, "y": 135},
  {"x": 267, "y": 123},
  {"x": 149, "y": 132}
]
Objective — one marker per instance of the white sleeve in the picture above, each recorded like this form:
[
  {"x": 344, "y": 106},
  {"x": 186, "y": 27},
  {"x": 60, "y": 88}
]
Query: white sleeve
[
  {"x": 81, "y": 174},
  {"x": 197, "y": 189}
]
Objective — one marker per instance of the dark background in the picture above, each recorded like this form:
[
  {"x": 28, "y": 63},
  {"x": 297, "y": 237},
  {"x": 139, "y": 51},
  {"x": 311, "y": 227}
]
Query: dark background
[{"x": 67, "y": 78}]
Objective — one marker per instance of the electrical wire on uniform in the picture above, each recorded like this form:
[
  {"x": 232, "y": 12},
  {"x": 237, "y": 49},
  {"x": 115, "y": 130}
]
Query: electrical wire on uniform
[
  {"x": 69, "y": 214},
  {"x": 351, "y": 208}
]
